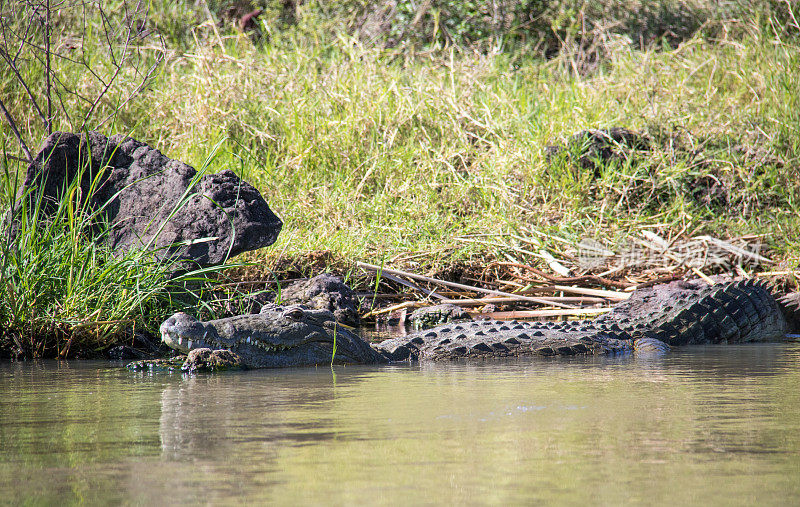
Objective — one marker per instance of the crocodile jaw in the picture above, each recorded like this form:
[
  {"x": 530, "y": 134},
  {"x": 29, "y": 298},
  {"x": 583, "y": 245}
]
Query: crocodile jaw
[
  {"x": 177, "y": 340},
  {"x": 183, "y": 333},
  {"x": 184, "y": 345},
  {"x": 269, "y": 340}
]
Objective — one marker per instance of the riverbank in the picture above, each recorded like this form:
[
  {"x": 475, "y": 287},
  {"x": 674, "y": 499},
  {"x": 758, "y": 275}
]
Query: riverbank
[{"x": 430, "y": 155}]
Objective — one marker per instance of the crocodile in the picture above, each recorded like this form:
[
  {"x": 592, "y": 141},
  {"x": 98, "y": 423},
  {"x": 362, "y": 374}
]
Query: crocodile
[
  {"x": 650, "y": 321},
  {"x": 278, "y": 336}
]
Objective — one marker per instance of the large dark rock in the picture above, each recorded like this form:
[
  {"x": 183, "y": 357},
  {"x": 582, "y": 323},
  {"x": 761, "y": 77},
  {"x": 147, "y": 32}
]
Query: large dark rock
[
  {"x": 324, "y": 292},
  {"x": 152, "y": 201}
]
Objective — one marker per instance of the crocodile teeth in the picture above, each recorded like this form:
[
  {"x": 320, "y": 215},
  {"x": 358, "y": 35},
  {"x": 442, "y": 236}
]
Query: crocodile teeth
[
  {"x": 180, "y": 340},
  {"x": 189, "y": 344},
  {"x": 248, "y": 340}
]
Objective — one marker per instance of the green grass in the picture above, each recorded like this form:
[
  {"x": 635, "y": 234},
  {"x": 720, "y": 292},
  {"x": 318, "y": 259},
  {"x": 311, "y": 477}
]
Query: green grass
[
  {"x": 63, "y": 290},
  {"x": 372, "y": 157},
  {"x": 393, "y": 155},
  {"x": 59, "y": 289}
]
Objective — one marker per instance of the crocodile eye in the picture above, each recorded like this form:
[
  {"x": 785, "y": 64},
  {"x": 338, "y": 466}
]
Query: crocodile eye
[{"x": 294, "y": 313}]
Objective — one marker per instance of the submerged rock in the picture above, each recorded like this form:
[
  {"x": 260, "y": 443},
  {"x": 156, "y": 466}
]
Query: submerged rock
[
  {"x": 196, "y": 361},
  {"x": 169, "y": 364},
  {"x": 207, "y": 360},
  {"x": 152, "y": 201}
]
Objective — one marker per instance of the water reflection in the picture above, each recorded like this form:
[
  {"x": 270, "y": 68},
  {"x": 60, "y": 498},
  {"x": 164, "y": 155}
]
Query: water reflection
[
  {"x": 713, "y": 424},
  {"x": 210, "y": 416}
]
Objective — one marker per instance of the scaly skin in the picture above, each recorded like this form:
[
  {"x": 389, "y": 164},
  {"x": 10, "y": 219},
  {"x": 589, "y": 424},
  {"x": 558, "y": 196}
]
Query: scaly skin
[
  {"x": 652, "y": 319},
  {"x": 649, "y": 322},
  {"x": 276, "y": 337}
]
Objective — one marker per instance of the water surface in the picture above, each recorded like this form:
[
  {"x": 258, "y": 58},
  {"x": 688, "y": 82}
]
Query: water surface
[{"x": 704, "y": 425}]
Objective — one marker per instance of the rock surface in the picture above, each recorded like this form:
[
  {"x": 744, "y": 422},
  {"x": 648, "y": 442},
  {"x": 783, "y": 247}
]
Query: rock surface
[
  {"x": 432, "y": 316},
  {"x": 324, "y": 292},
  {"x": 207, "y": 360},
  {"x": 153, "y": 201}
]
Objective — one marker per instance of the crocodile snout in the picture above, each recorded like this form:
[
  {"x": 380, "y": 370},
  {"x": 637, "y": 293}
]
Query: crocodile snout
[{"x": 180, "y": 331}]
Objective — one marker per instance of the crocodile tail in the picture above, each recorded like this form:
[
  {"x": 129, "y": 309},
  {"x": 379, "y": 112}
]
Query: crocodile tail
[
  {"x": 650, "y": 345},
  {"x": 790, "y": 306}
]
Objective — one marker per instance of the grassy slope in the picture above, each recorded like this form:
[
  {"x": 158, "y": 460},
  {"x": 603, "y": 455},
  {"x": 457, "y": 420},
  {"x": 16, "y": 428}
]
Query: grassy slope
[{"x": 372, "y": 156}]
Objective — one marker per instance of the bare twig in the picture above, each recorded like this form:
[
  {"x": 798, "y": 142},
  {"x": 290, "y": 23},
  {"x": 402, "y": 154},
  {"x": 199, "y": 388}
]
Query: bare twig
[
  {"x": 390, "y": 309},
  {"x": 48, "y": 122},
  {"x": 609, "y": 294},
  {"x": 13, "y": 126},
  {"x": 766, "y": 274},
  {"x": 458, "y": 285},
  {"x": 507, "y": 300},
  {"x": 117, "y": 66},
  {"x": 561, "y": 279},
  {"x": 411, "y": 285},
  {"x": 117, "y": 31},
  {"x": 135, "y": 92},
  {"x": 12, "y": 65},
  {"x": 530, "y": 314}
]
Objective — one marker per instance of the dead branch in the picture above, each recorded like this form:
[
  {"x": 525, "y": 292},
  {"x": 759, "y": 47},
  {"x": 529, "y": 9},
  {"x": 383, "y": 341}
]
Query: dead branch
[
  {"x": 563, "y": 279},
  {"x": 22, "y": 47},
  {"x": 529, "y": 314},
  {"x": 457, "y": 285},
  {"x": 13, "y": 126},
  {"x": 47, "y": 94},
  {"x": 12, "y": 65}
]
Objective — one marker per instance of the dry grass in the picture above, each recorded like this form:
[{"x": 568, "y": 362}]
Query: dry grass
[{"x": 395, "y": 157}]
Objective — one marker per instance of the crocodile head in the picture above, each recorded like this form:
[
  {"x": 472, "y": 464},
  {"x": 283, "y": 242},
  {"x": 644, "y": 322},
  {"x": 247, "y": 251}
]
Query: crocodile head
[{"x": 279, "y": 336}]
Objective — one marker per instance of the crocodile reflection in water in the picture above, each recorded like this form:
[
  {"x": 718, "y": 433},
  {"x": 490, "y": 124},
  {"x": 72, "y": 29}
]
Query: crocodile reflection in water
[
  {"x": 651, "y": 320},
  {"x": 202, "y": 418}
]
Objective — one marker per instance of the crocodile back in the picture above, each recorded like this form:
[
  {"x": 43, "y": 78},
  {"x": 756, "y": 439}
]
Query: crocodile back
[{"x": 684, "y": 313}]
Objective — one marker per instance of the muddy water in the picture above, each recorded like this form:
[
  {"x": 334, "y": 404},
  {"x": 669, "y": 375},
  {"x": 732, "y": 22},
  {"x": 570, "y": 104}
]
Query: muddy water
[{"x": 712, "y": 425}]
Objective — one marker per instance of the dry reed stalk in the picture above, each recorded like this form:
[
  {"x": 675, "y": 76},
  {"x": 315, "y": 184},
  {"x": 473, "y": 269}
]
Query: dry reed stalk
[
  {"x": 417, "y": 255},
  {"x": 703, "y": 276},
  {"x": 497, "y": 283},
  {"x": 501, "y": 245},
  {"x": 484, "y": 301},
  {"x": 574, "y": 279},
  {"x": 372, "y": 267},
  {"x": 549, "y": 236},
  {"x": 766, "y": 274},
  {"x": 735, "y": 250},
  {"x": 389, "y": 309},
  {"x": 609, "y": 294},
  {"x": 412, "y": 285},
  {"x": 530, "y": 314},
  {"x": 552, "y": 262},
  {"x": 370, "y": 295}
]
